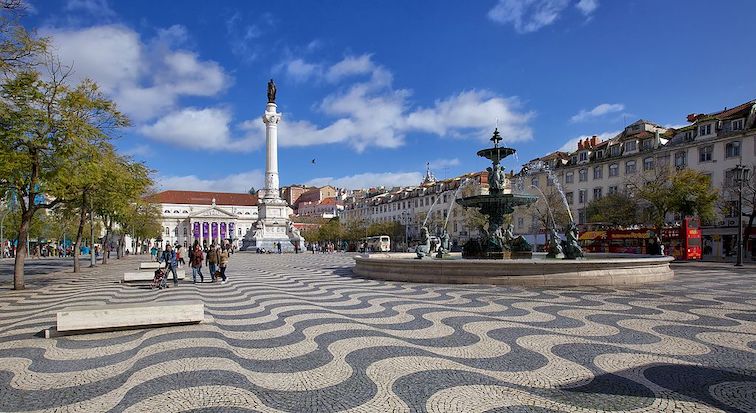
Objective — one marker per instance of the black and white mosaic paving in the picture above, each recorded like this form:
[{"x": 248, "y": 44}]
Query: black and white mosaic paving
[{"x": 299, "y": 333}]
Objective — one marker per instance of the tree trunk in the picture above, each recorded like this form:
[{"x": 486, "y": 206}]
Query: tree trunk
[
  {"x": 121, "y": 241},
  {"x": 23, "y": 236},
  {"x": 79, "y": 233},
  {"x": 106, "y": 240}
]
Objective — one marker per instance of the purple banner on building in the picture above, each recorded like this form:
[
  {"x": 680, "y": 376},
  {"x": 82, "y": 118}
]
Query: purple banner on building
[
  {"x": 223, "y": 230},
  {"x": 205, "y": 230},
  {"x": 231, "y": 232},
  {"x": 214, "y": 229},
  {"x": 196, "y": 230}
]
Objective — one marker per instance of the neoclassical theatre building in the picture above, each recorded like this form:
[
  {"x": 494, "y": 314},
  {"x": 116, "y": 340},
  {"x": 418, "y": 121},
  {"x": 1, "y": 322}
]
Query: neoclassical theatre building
[{"x": 205, "y": 216}]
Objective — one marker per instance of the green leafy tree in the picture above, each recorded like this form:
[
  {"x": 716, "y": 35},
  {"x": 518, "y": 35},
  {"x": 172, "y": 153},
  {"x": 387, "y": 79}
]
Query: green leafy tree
[
  {"x": 43, "y": 122},
  {"x": 19, "y": 49},
  {"x": 663, "y": 191},
  {"x": 615, "y": 209}
]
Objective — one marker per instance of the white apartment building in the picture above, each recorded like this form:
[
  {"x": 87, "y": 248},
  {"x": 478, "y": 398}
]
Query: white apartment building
[
  {"x": 713, "y": 143},
  {"x": 410, "y": 206}
]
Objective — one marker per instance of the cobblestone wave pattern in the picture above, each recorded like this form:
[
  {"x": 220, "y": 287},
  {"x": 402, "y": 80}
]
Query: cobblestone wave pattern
[{"x": 298, "y": 333}]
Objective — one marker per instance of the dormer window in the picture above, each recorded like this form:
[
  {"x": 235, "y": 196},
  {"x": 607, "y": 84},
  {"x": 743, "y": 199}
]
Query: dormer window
[
  {"x": 738, "y": 124},
  {"x": 615, "y": 150},
  {"x": 631, "y": 146},
  {"x": 573, "y": 159},
  {"x": 704, "y": 130},
  {"x": 647, "y": 144},
  {"x": 583, "y": 156},
  {"x": 600, "y": 154},
  {"x": 689, "y": 135}
]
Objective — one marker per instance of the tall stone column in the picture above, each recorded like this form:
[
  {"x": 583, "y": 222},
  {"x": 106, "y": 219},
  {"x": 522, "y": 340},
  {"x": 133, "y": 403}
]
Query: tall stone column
[{"x": 271, "y": 118}]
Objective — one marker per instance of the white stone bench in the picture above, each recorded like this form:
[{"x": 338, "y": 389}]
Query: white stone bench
[
  {"x": 123, "y": 316},
  {"x": 152, "y": 265},
  {"x": 149, "y": 275}
]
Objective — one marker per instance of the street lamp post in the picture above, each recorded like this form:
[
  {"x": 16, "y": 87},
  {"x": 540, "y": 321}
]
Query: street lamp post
[
  {"x": 405, "y": 221},
  {"x": 741, "y": 175}
]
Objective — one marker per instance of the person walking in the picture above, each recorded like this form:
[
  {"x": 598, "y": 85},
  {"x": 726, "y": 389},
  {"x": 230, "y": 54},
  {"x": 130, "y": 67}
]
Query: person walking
[
  {"x": 279, "y": 247},
  {"x": 212, "y": 261},
  {"x": 169, "y": 257},
  {"x": 196, "y": 262},
  {"x": 223, "y": 261}
]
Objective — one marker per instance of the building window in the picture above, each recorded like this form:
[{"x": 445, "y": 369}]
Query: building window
[
  {"x": 573, "y": 159},
  {"x": 631, "y": 146},
  {"x": 583, "y": 156},
  {"x": 704, "y": 154},
  {"x": 597, "y": 193},
  {"x": 732, "y": 149},
  {"x": 629, "y": 167},
  {"x": 647, "y": 144},
  {"x": 729, "y": 180},
  {"x": 520, "y": 222},
  {"x": 569, "y": 197},
  {"x": 569, "y": 177},
  {"x": 598, "y": 172},
  {"x": 738, "y": 124},
  {"x": 612, "y": 189},
  {"x": 600, "y": 154},
  {"x": 167, "y": 231},
  {"x": 581, "y": 216},
  {"x": 534, "y": 182},
  {"x": 581, "y": 196},
  {"x": 689, "y": 135},
  {"x": 614, "y": 170},
  {"x": 648, "y": 163},
  {"x": 615, "y": 150},
  {"x": 680, "y": 159},
  {"x": 583, "y": 175},
  {"x": 184, "y": 231},
  {"x": 704, "y": 129}
]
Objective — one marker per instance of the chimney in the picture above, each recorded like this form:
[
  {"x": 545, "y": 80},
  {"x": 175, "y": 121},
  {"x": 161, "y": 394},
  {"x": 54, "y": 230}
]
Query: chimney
[
  {"x": 692, "y": 117},
  {"x": 580, "y": 144},
  {"x": 594, "y": 140}
]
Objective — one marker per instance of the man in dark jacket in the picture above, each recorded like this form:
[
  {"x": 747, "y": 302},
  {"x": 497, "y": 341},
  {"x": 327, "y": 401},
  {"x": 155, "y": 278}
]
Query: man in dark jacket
[{"x": 169, "y": 257}]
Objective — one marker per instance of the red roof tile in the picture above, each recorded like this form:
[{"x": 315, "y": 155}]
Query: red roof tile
[{"x": 203, "y": 198}]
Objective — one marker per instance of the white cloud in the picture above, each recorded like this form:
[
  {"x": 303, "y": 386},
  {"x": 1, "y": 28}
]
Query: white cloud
[
  {"x": 350, "y": 66},
  {"x": 587, "y": 7},
  {"x": 370, "y": 179},
  {"x": 299, "y": 70},
  {"x": 527, "y": 16},
  {"x": 97, "y": 8},
  {"x": 144, "y": 78},
  {"x": 139, "y": 150},
  {"x": 240, "y": 182},
  {"x": 599, "y": 110},
  {"x": 443, "y": 163},
  {"x": 370, "y": 112},
  {"x": 194, "y": 128},
  {"x": 475, "y": 111},
  {"x": 571, "y": 145}
]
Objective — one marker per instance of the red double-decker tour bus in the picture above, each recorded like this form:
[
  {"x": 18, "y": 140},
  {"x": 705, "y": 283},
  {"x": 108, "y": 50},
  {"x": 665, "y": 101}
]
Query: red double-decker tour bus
[{"x": 683, "y": 242}]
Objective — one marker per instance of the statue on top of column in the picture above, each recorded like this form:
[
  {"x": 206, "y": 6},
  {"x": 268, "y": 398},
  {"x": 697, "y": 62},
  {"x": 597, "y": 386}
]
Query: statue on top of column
[{"x": 271, "y": 92}]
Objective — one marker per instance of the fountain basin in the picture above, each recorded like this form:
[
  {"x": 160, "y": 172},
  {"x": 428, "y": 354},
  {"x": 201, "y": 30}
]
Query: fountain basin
[{"x": 595, "y": 269}]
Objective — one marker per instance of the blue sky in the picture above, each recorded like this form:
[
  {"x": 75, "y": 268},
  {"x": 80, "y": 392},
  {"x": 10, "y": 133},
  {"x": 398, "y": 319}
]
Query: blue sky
[{"x": 374, "y": 90}]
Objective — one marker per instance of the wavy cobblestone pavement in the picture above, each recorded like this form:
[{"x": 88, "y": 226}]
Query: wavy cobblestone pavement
[{"x": 298, "y": 333}]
